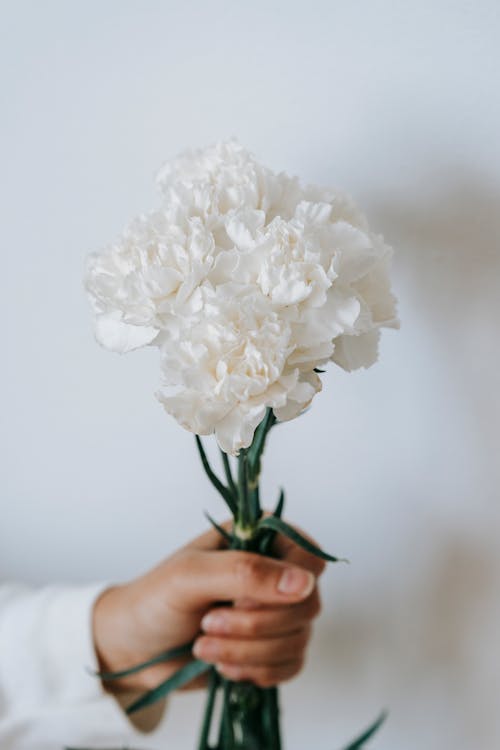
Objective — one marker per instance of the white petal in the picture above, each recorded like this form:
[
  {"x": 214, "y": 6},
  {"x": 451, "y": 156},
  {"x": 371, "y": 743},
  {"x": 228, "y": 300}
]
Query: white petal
[
  {"x": 236, "y": 430},
  {"x": 314, "y": 213},
  {"x": 117, "y": 336},
  {"x": 242, "y": 227},
  {"x": 353, "y": 352},
  {"x": 194, "y": 412}
]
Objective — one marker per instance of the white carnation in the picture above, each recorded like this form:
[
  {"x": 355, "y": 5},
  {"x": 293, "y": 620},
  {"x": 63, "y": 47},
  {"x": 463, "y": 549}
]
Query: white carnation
[{"x": 247, "y": 282}]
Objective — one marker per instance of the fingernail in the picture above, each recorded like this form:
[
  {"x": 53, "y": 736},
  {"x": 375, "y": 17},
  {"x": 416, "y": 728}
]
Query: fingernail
[
  {"x": 197, "y": 649},
  {"x": 214, "y": 622},
  {"x": 296, "y": 581}
]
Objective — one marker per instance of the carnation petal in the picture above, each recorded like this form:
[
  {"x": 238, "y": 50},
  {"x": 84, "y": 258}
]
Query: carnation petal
[
  {"x": 353, "y": 352},
  {"x": 117, "y": 336},
  {"x": 299, "y": 397},
  {"x": 242, "y": 227},
  {"x": 236, "y": 430},
  {"x": 246, "y": 280}
]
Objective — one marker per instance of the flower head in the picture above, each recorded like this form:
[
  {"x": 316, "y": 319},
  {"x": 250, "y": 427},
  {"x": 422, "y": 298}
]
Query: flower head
[{"x": 247, "y": 282}]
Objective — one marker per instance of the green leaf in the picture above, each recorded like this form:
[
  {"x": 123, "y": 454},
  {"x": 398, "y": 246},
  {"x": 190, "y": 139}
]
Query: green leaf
[
  {"x": 281, "y": 504},
  {"x": 267, "y": 541},
  {"x": 225, "y": 534},
  {"x": 254, "y": 504},
  {"x": 173, "y": 653},
  {"x": 256, "y": 449},
  {"x": 367, "y": 734},
  {"x": 224, "y": 491},
  {"x": 184, "y": 675},
  {"x": 228, "y": 472},
  {"x": 277, "y": 524}
]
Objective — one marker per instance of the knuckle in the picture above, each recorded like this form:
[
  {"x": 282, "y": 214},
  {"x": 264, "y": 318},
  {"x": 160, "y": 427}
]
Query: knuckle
[
  {"x": 302, "y": 640},
  {"x": 226, "y": 652},
  {"x": 247, "y": 570},
  {"x": 250, "y": 625}
]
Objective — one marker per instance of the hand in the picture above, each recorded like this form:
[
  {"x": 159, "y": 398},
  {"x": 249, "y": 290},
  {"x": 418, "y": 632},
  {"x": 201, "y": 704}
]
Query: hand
[{"x": 254, "y": 614}]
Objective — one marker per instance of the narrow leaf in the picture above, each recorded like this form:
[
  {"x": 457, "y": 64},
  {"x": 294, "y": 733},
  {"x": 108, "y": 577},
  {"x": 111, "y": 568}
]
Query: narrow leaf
[
  {"x": 256, "y": 449},
  {"x": 228, "y": 472},
  {"x": 367, "y": 734},
  {"x": 225, "y": 534},
  {"x": 254, "y": 504},
  {"x": 224, "y": 491},
  {"x": 281, "y": 504},
  {"x": 173, "y": 653},
  {"x": 277, "y": 524},
  {"x": 179, "y": 679},
  {"x": 267, "y": 541}
]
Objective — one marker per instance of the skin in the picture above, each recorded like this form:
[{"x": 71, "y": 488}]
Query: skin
[{"x": 249, "y": 615}]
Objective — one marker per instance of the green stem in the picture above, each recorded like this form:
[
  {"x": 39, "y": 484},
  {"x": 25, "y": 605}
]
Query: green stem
[
  {"x": 226, "y": 735},
  {"x": 229, "y": 473},
  {"x": 249, "y": 717},
  {"x": 274, "y": 712},
  {"x": 243, "y": 520},
  {"x": 224, "y": 491},
  {"x": 209, "y": 710}
]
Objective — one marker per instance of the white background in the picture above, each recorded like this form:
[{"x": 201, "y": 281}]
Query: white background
[{"x": 396, "y": 467}]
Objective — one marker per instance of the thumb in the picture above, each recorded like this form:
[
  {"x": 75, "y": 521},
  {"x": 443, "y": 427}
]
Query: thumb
[{"x": 229, "y": 575}]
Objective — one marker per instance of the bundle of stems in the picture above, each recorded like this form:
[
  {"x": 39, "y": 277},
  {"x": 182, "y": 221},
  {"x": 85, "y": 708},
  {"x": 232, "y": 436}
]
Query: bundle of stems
[
  {"x": 249, "y": 717},
  {"x": 238, "y": 715}
]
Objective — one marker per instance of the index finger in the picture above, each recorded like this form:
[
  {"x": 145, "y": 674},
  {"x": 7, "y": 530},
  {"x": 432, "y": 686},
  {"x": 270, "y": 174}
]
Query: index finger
[{"x": 283, "y": 548}]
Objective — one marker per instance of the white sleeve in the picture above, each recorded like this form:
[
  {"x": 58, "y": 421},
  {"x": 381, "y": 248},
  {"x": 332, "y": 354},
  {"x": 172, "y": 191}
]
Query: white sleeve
[{"x": 46, "y": 658}]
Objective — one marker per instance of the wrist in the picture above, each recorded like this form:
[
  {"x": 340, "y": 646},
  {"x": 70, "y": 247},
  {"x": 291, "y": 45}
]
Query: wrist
[{"x": 108, "y": 621}]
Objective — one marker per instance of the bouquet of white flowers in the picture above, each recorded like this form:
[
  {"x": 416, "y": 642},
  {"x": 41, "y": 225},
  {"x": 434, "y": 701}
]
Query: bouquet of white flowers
[{"x": 248, "y": 283}]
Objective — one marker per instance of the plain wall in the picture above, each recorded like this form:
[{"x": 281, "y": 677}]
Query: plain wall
[{"x": 396, "y": 467}]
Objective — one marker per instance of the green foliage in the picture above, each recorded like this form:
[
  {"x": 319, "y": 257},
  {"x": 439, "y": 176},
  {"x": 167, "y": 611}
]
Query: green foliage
[
  {"x": 281, "y": 527},
  {"x": 363, "y": 738},
  {"x": 180, "y": 678},
  {"x": 249, "y": 716},
  {"x": 268, "y": 537},
  {"x": 173, "y": 653},
  {"x": 244, "y": 510},
  {"x": 257, "y": 448},
  {"x": 219, "y": 486},
  {"x": 229, "y": 473},
  {"x": 224, "y": 534},
  {"x": 213, "y": 684}
]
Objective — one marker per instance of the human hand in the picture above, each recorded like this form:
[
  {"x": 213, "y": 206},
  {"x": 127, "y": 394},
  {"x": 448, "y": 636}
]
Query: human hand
[{"x": 250, "y": 615}]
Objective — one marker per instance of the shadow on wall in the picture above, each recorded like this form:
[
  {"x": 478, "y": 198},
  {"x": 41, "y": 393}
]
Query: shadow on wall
[
  {"x": 448, "y": 262},
  {"x": 438, "y": 642},
  {"x": 436, "y": 633}
]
